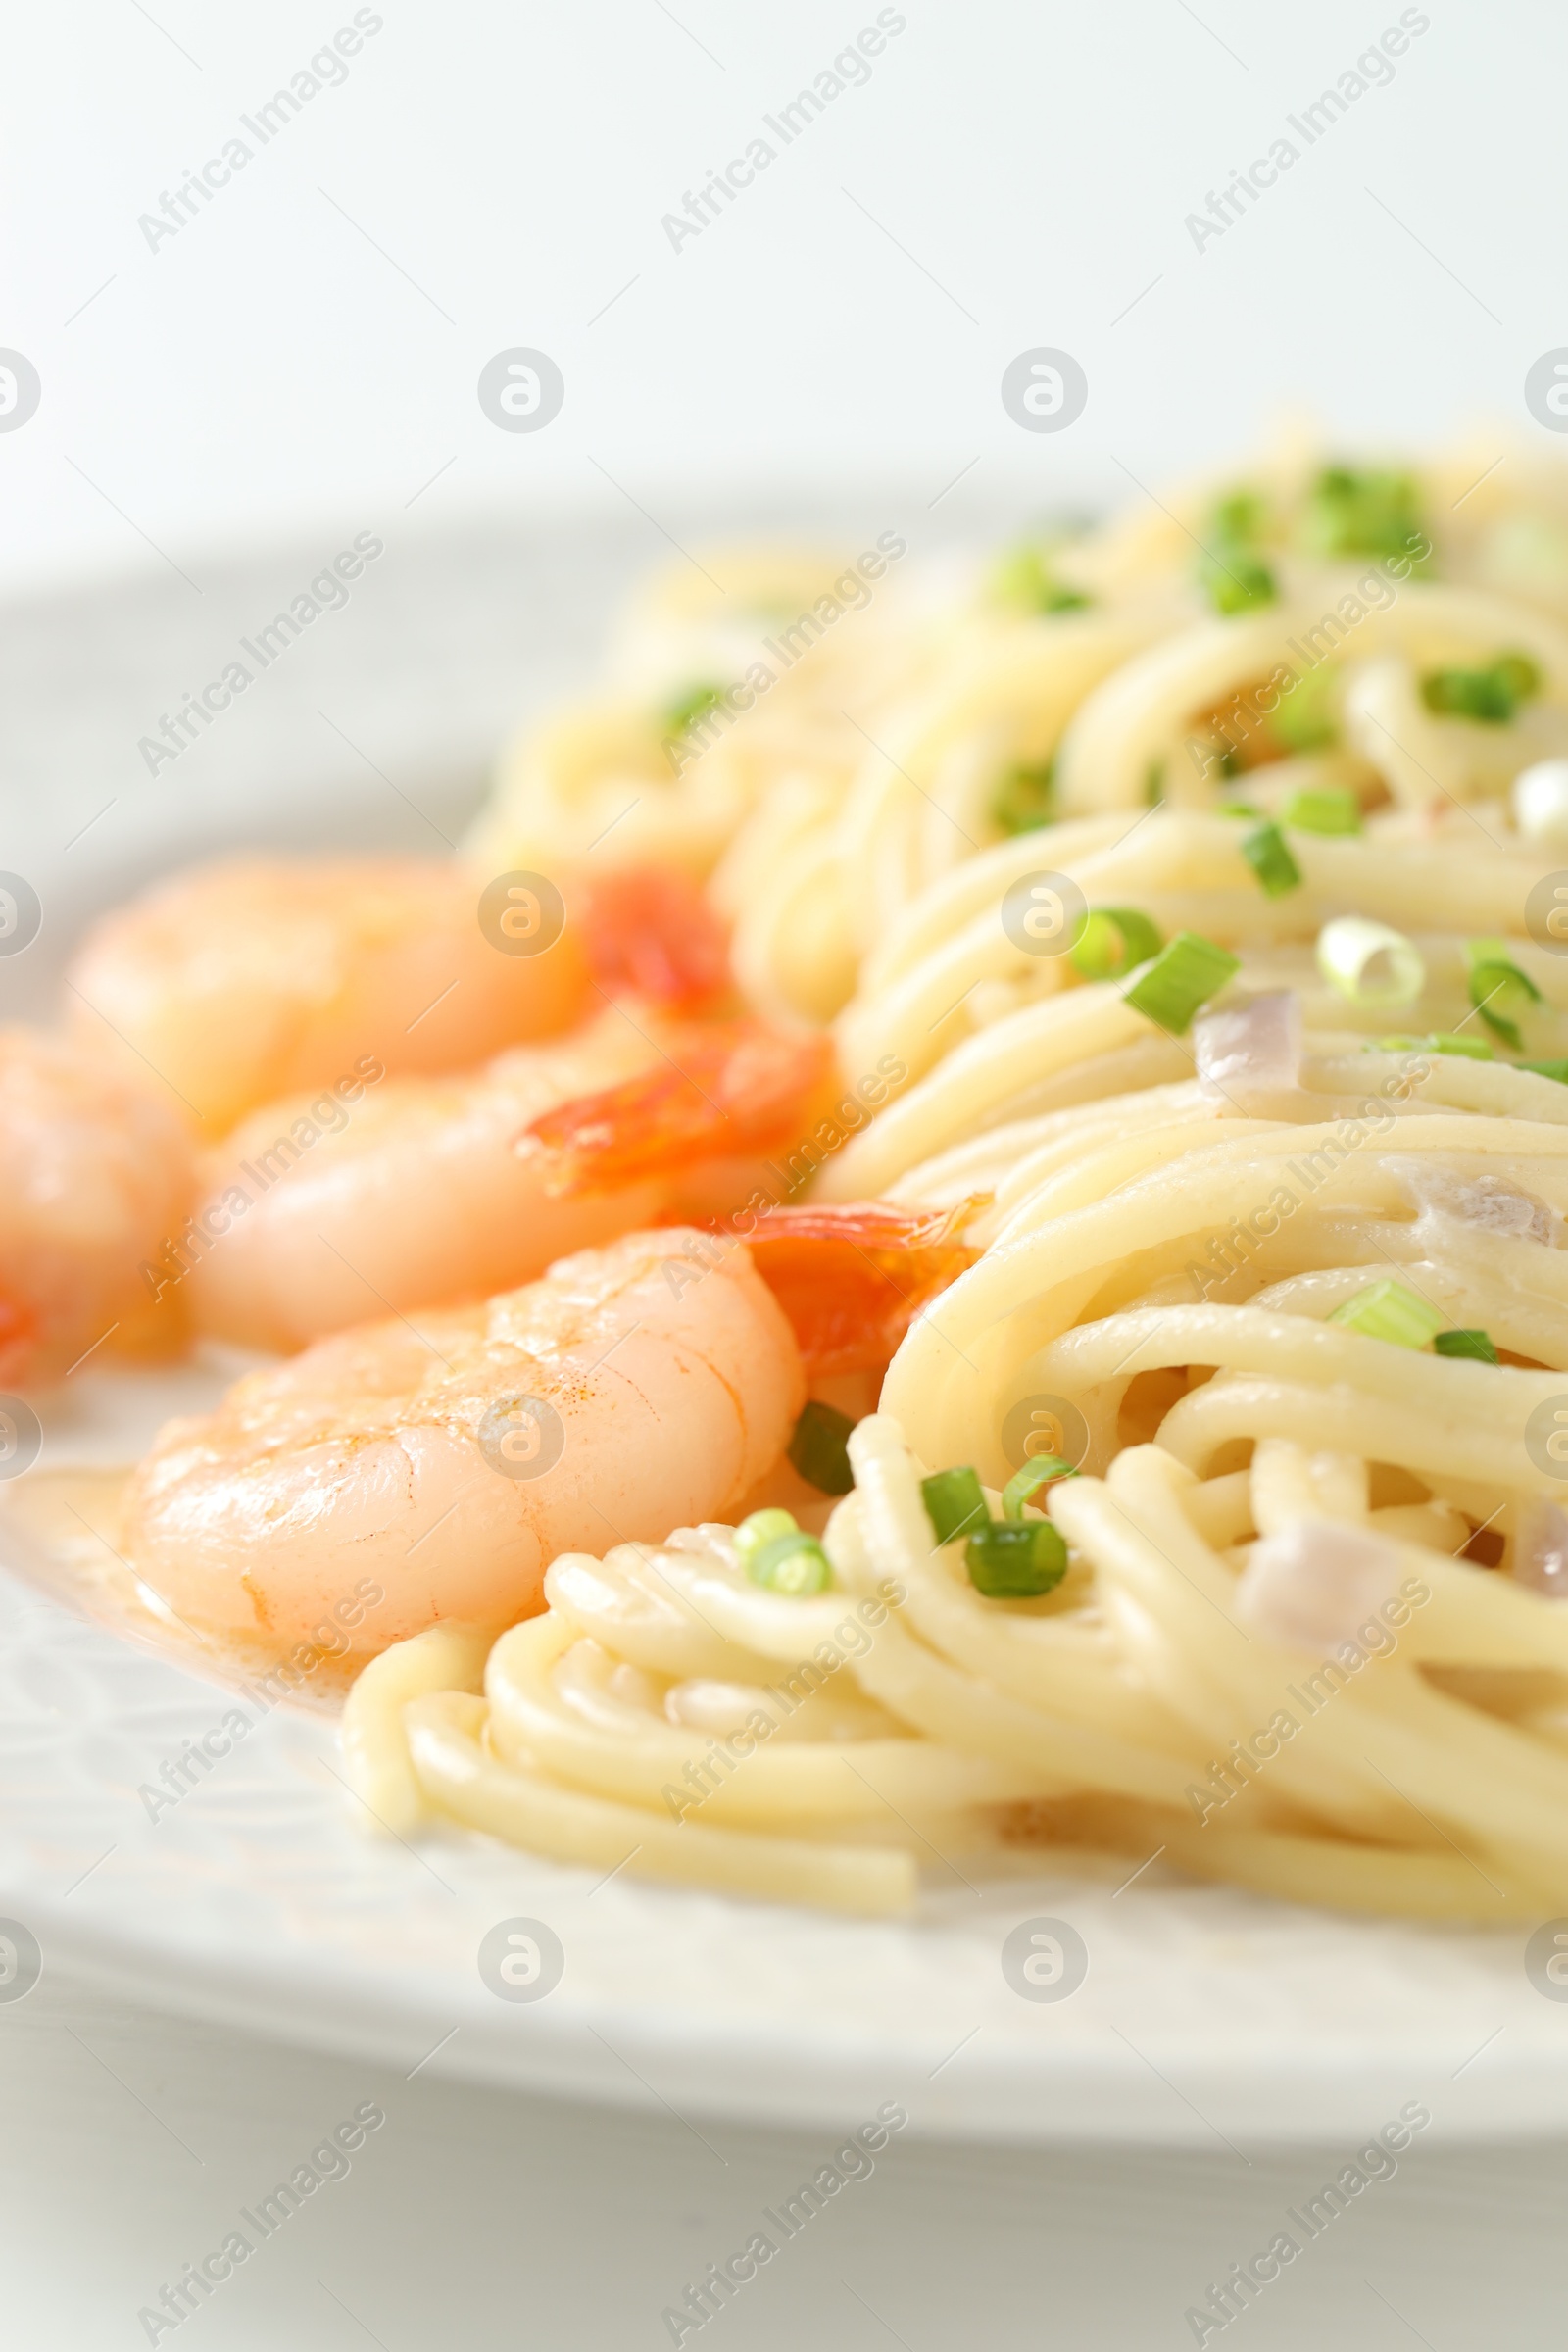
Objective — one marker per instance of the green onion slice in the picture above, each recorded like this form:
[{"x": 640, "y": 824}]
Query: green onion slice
[
  {"x": 1234, "y": 578},
  {"x": 1546, "y": 1069},
  {"x": 1114, "y": 940},
  {"x": 953, "y": 1502},
  {"x": 1231, "y": 573},
  {"x": 761, "y": 1528},
  {"x": 1014, "y": 1561},
  {"x": 1352, "y": 512},
  {"x": 1025, "y": 1484},
  {"x": 1327, "y": 809},
  {"x": 1025, "y": 579},
  {"x": 1305, "y": 720},
  {"x": 1270, "y": 860},
  {"x": 1498, "y": 988},
  {"x": 1476, "y": 1344},
  {"x": 1471, "y": 1049},
  {"x": 818, "y": 1448},
  {"x": 1183, "y": 975},
  {"x": 1024, "y": 798},
  {"x": 1491, "y": 695},
  {"x": 695, "y": 703},
  {"x": 775, "y": 1552},
  {"x": 1368, "y": 962},
  {"x": 1388, "y": 1310}
]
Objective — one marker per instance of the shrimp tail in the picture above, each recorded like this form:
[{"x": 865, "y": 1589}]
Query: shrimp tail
[
  {"x": 726, "y": 1089},
  {"x": 653, "y": 934},
  {"x": 18, "y": 1333},
  {"x": 852, "y": 1279}
]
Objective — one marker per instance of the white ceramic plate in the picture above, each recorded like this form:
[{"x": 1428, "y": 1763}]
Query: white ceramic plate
[{"x": 257, "y": 1900}]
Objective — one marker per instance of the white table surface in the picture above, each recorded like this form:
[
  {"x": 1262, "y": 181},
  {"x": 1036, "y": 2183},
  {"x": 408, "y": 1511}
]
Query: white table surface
[{"x": 131, "y": 2140}]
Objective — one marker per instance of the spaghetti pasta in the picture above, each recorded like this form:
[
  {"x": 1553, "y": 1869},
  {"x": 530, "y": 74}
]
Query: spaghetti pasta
[
  {"x": 1267, "y": 1220},
  {"x": 1137, "y": 1706}
]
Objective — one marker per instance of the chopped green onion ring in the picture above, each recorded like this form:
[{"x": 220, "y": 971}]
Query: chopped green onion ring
[
  {"x": 1353, "y": 512},
  {"x": 762, "y": 1528},
  {"x": 795, "y": 1564},
  {"x": 1268, "y": 855},
  {"x": 1470, "y": 1049},
  {"x": 1183, "y": 976},
  {"x": 953, "y": 1502},
  {"x": 1024, "y": 578},
  {"x": 1476, "y": 1345},
  {"x": 1114, "y": 940},
  {"x": 818, "y": 1448},
  {"x": 1498, "y": 988},
  {"x": 1024, "y": 798},
  {"x": 775, "y": 1552},
  {"x": 1305, "y": 718},
  {"x": 1011, "y": 1560},
  {"x": 688, "y": 707},
  {"x": 1388, "y": 1310},
  {"x": 1491, "y": 695},
  {"x": 1025, "y": 1484},
  {"x": 1323, "y": 809},
  {"x": 1370, "y": 964},
  {"x": 1234, "y": 578}
]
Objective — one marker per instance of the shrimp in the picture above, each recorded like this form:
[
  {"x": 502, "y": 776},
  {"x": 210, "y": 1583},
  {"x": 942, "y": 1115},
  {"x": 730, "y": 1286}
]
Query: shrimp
[
  {"x": 853, "y": 1276},
  {"x": 415, "y": 1192},
  {"x": 238, "y": 982},
  {"x": 94, "y": 1177},
  {"x": 441, "y": 1470}
]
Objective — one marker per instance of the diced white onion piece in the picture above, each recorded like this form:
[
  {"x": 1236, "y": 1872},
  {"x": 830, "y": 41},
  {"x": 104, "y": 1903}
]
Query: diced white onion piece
[
  {"x": 1315, "y": 1584},
  {"x": 1370, "y": 964},
  {"x": 1539, "y": 799},
  {"x": 1490, "y": 1201},
  {"x": 1254, "y": 1050},
  {"x": 1540, "y": 1549}
]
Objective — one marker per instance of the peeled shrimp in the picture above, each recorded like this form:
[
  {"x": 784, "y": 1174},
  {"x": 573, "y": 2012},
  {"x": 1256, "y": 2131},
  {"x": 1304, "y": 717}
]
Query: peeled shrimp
[
  {"x": 322, "y": 1213},
  {"x": 94, "y": 1178},
  {"x": 444, "y": 1468},
  {"x": 239, "y": 982}
]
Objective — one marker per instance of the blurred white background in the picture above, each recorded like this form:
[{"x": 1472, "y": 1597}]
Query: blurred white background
[{"x": 303, "y": 353}]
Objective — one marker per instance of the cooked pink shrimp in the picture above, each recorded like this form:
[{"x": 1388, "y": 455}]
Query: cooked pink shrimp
[
  {"x": 242, "y": 981},
  {"x": 444, "y": 1468},
  {"x": 413, "y": 1193},
  {"x": 95, "y": 1177},
  {"x": 323, "y": 1212}
]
